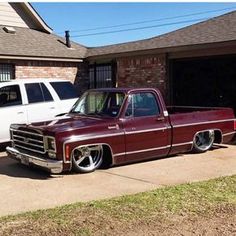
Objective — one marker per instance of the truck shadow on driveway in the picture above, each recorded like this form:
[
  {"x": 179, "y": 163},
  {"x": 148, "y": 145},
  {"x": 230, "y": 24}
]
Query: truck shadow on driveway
[{"x": 12, "y": 168}]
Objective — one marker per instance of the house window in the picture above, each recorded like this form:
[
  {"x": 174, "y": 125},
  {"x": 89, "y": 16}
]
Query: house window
[
  {"x": 6, "y": 72},
  {"x": 102, "y": 76}
]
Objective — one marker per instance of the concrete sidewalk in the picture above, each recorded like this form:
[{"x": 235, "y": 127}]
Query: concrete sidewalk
[{"x": 23, "y": 189}]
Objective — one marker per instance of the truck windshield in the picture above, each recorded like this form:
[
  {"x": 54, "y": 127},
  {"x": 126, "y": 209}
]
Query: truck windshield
[{"x": 99, "y": 103}]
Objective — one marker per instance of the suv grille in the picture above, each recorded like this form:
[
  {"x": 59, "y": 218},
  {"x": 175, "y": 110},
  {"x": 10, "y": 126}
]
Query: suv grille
[{"x": 28, "y": 140}]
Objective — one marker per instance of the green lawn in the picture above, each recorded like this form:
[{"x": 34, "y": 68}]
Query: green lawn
[{"x": 163, "y": 206}]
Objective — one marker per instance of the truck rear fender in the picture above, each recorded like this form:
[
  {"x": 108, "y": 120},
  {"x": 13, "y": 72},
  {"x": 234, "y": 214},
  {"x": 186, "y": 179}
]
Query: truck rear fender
[{"x": 218, "y": 136}]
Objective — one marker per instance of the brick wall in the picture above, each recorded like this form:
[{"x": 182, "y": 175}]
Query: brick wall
[
  {"x": 77, "y": 73},
  {"x": 145, "y": 71},
  {"x": 42, "y": 69}
]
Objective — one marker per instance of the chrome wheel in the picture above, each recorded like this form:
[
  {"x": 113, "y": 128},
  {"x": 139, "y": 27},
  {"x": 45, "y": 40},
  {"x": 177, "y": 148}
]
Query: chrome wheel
[
  {"x": 87, "y": 158},
  {"x": 203, "y": 141}
]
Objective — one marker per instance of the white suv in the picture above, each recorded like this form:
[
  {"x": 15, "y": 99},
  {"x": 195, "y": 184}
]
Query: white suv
[{"x": 32, "y": 100}]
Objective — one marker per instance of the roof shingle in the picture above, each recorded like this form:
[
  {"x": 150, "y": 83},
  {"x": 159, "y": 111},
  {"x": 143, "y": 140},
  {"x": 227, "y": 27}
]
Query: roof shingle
[
  {"x": 33, "y": 43},
  {"x": 218, "y": 29}
]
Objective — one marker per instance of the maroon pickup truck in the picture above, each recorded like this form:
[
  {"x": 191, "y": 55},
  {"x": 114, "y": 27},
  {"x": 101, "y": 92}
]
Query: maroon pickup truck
[{"x": 114, "y": 126}]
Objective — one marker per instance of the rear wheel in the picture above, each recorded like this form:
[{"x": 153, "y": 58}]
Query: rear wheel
[
  {"x": 203, "y": 141},
  {"x": 86, "y": 159}
]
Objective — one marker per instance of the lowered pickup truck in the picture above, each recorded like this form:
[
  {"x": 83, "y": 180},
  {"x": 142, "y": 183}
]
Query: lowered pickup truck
[{"x": 114, "y": 126}]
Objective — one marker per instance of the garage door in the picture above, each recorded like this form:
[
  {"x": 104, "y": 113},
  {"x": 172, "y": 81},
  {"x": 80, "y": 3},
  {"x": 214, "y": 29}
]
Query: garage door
[{"x": 204, "y": 81}]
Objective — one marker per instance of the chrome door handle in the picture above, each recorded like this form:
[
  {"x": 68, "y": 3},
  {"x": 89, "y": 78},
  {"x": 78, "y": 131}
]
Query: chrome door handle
[
  {"x": 113, "y": 126},
  {"x": 52, "y": 108},
  {"x": 20, "y": 112},
  {"x": 160, "y": 118}
]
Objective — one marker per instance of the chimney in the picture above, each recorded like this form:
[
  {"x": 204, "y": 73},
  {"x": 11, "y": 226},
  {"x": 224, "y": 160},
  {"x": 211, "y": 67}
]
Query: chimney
[{"x": 67, "y": 35}]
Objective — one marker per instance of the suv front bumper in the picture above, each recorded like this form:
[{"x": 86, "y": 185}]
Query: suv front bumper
[{"x": 54, "y": 166}]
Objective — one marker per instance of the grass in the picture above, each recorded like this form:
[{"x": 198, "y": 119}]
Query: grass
[{"x": 191, "y": 200}]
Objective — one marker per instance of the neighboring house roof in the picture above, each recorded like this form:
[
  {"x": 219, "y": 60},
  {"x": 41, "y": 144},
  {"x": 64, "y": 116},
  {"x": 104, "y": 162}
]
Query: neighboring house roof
[
  {"x": 22, "y": 14},
  {"x": 33, "y": 44},
  {"x": 218, "y": 29},
  {"x": 33, "y": 39},
  {"x": 40, "y": 23}
]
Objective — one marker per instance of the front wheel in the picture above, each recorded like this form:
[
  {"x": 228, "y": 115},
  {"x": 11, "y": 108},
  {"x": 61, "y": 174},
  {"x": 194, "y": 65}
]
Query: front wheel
[
  {"x": 203, "y": 141},
  {"x": 86, "y": 159}
]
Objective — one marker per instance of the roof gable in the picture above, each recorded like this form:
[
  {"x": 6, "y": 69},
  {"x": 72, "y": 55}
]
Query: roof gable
[{"x": 21, "y": 14}]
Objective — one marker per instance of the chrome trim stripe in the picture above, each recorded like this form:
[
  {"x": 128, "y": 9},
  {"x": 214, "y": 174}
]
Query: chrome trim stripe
[
  {"x": 152, "y": 149},
  {"x": 205, "y": 122},
  {"x": 144, "y": 150},
  {"x": 146, "y": 130},
  {"x": 86, "y": 137},
  {"x": 119, "y": 154},
  {"x": 181, "y": 144},
  {"x": 148, "y": 150},
  {"x": 229, "y": 133}
]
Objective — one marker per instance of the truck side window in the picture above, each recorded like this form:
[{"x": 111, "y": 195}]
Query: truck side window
[
  {"x": 65, "y": 90},
  {"x": 10, "y": 96},
  {"x": 34, "y": 93},
  {"x": 142, "y": 104}
]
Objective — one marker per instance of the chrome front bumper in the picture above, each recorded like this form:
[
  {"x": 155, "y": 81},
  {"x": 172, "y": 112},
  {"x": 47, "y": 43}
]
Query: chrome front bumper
[{"x": 53, "y": 166}]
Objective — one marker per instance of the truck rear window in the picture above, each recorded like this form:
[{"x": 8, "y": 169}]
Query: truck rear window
[{"x": 65, "y": 90}]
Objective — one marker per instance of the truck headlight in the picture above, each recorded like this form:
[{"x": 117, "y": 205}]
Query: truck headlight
[{"x": 51, "y": 144}]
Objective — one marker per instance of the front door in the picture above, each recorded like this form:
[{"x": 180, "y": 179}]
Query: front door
[{"x": 146, "y": 130}]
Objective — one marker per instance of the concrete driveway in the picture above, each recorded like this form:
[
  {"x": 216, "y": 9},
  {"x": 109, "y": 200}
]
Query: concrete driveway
[{"x": 23, "y": 189}]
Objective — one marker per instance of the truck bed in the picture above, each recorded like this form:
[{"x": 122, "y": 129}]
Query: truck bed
[
  {"x": 190, "y": 109},
  {"x": 187, "y": 121}
]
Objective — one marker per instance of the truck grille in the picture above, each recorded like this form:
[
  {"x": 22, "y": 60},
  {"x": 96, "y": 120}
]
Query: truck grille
[{"x": 28, "y": 140}]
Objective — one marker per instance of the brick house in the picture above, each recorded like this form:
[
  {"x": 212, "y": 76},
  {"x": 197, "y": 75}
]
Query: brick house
[
  {"x": 29, "y": 49},
  {"x": 194, "y": 65}
]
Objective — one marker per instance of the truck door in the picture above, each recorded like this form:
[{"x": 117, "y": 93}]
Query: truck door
[
  {"x": 12, "y": 109},
  {"x": 146, "y": 128}
]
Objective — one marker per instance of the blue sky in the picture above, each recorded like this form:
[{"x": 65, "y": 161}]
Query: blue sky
[{"x": 82, "y": 16}]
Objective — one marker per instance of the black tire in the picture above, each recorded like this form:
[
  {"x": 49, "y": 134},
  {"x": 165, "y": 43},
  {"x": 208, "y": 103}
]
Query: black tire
[
  {"x": 87, "y": 159},
  {"x": 203, "y": 141}
]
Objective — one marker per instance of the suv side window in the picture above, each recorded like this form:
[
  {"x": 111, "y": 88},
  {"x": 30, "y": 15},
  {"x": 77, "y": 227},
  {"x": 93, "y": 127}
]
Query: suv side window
[
  {"x": 65, "y": 90},
  {"x": 47, "y": 95},
  {"x": 10, "y": 96},
  {"x": 142, "y": 104},
  {"x": 34, "y": 93}
]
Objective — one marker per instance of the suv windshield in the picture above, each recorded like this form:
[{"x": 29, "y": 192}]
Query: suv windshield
[{"x": 99, "y": 103}]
